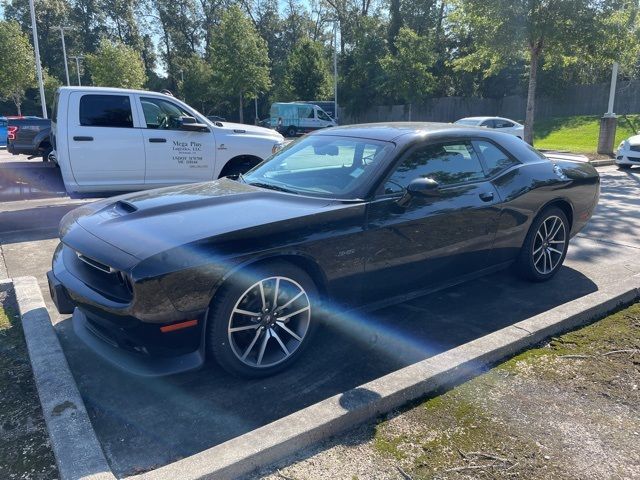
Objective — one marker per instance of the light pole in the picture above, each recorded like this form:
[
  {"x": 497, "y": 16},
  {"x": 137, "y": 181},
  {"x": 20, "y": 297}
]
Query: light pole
[
  {"x": 77, "y": 59},
  {"x": 335, "y": 70},
  {"x": 36, "y": 47},
  {"x": 609, "y": 122},
  {"x": 64, "y": 52}
]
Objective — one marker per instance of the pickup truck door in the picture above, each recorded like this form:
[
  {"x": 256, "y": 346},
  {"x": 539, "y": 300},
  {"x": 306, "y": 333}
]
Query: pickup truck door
[
  {"x": 173, "y": 155},
  {"x": 105, "y": 148}
]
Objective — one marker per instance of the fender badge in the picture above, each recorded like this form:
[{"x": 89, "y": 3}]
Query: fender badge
[{"x": 222, "y": 147}]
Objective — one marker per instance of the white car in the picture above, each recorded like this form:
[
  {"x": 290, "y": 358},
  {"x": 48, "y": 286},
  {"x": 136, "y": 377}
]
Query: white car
[
  {"x": 628, "y": 153},
  {"x": 111, "y": 139},
  {"x": 501, "y": 124}
]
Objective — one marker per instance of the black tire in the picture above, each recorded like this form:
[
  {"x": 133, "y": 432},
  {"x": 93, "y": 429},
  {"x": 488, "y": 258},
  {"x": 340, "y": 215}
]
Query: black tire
[
  {"x": 292, "y": 131},
  {"x": 227, "y": 347},
  {"x": 235, "y": 168},
  {"x": 624, "y": 166},
  {"x": 532, "y": 267},
  {"x": 45, "y": 154}
]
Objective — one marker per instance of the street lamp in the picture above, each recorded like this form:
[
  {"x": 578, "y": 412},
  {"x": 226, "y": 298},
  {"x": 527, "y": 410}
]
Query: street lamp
[
  {"x": 335, "y": 70},
  {"x": 77, "y": 58},
  {"x": 36, "y": 48},
  {"x": 64, "y": 52}
]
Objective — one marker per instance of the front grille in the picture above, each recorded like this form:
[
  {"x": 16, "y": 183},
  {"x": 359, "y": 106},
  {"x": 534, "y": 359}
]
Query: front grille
[
  {"x": 102, "y": 278},
  {"x": 634, "y": 148}
]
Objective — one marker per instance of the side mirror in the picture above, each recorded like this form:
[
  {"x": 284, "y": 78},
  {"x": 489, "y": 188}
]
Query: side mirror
[
  {"x": 423, "y": 187},
  {"x": 190, "y": 124},
  {"x": 419, "y": 187}
]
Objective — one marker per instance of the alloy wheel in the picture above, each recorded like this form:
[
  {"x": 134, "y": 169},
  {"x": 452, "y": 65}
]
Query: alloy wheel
[
  {"x": 269, "y": 322},
  {"x": 549, "y": 245}
]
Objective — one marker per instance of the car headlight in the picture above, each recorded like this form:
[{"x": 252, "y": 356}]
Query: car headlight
[
  {"x": 624, "y": 145},
  {"x": 277, "y": 147}
]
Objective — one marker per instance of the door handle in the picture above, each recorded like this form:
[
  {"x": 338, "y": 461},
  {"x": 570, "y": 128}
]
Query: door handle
[
  {"x": 486, "y": 196},
  {"x": 83, "y": 139},
  {"x": 157, "y": 140}
]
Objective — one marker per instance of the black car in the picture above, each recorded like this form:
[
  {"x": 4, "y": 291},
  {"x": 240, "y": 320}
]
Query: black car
[{"x": 347, "y": 217}]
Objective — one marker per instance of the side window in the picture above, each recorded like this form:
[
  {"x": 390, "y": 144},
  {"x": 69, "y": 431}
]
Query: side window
[
  {"x": 446, "y": 163},
  {"x": 503, "y": 124},
  {"x": 495, "y": 159},
  {"x": 323, "y": 116},
  {"x": 105, "y": 111},
  {"x": 488, "y": 124},
  {"x": 161, "y": 114}
]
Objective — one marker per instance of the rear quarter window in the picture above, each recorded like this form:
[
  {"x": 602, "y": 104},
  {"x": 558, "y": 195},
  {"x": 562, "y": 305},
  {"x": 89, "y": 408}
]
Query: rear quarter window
[
  {"x": 495, "y": 159},
  {"x": 106, "y": 111}
]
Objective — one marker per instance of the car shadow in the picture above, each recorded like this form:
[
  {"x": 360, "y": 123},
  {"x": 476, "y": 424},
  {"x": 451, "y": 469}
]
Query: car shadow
[
  {"x": 143, "y": 423},
  {"x": 28, "y": 180}
]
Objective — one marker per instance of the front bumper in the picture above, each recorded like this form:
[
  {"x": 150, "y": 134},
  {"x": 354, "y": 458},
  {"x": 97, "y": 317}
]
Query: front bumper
[
  {"x": 106, "y": 345},
  {"x": 628, "y": 158},
  {"x": 133, "y": 345}
]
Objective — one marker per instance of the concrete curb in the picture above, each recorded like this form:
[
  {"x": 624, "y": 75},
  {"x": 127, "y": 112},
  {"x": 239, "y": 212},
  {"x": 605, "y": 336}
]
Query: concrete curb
[
  {"x": 602, "y": 163},
  {"x": 286, "y": 436},
  {"x": 75, "y": 445}
]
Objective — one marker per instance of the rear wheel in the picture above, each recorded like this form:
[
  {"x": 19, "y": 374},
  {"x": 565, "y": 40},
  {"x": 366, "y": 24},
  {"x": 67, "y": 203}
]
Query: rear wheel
[
  {"x": 262, "y": 319},
  {"x": 291, "y": 131},
  {"x": 545, "y": 246}
]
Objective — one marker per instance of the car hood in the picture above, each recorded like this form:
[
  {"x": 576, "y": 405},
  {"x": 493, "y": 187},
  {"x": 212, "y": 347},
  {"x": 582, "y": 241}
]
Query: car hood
[
  {"x": 635, "y": 140},
  {"x": 147, "y": 223},
  {"x": 253, "y": 130}
]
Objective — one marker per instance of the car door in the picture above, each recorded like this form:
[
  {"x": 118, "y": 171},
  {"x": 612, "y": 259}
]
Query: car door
[
  {"x": 105, "y": 148},
  {"x": 174, "y": 155},
  {"x": 421, "y": 242}
]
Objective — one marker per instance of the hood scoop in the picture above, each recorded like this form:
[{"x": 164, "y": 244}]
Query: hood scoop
[{"x": 125, "y": 207}]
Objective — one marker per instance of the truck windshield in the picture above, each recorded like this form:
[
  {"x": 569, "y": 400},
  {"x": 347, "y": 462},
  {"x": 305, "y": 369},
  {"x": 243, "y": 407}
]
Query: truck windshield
[{"x": 323, "y": 165}]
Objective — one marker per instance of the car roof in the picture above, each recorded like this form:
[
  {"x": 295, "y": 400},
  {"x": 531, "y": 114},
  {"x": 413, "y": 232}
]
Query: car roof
[
  {"x": 113, "y": 90},
  {"x": 394, "y": 131}
]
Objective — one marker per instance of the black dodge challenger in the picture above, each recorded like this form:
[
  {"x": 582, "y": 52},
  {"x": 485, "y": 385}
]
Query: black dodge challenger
[{"x": 348, "y": 217}]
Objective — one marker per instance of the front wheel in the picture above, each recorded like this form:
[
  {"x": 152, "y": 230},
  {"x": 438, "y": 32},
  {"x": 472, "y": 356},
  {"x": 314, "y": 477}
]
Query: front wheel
[
  {"x": 262, "y": 319},
  {"x": 624, "y": 166},
  {"x": 545, "y": 246}
]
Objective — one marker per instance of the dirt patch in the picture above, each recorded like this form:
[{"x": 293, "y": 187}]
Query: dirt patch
[
  {"x": 25, "y": 452},
  {"x": 567, "y": 410}
]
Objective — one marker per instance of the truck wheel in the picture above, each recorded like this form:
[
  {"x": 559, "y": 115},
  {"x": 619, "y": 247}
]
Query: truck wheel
[
  {"x": 45, "y": 154},
  {"x": 291, "y": 131}
]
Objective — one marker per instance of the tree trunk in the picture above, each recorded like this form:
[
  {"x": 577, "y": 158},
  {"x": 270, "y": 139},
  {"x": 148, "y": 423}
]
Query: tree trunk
[
  {"x": 531, "y": 93},
  {"x": 240, "y": 109},
  {"x": 19, "y": 107}
]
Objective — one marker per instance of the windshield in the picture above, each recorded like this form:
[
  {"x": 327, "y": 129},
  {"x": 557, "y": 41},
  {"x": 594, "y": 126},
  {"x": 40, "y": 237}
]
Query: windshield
[{"x": 323, "y": 165}]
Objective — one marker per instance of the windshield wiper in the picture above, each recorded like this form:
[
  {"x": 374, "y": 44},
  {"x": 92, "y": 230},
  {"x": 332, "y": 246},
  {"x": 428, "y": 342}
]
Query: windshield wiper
[{"x": 270, "y": 186}]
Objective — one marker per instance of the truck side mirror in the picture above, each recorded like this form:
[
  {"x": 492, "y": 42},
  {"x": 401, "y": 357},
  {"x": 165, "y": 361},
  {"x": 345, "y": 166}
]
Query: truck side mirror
[{"x": 190, "y": 124}]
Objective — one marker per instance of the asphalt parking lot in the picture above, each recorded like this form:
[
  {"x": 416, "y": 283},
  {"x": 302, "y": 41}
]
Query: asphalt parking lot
[{"x": 144, "y": 423}]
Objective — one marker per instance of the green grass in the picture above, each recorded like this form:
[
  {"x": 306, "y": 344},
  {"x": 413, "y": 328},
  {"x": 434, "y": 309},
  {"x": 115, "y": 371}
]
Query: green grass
[
  {"x": 579, "y": 134},
  {"x": 25, "y": 452},
  {"x": 438, "y": 438}
]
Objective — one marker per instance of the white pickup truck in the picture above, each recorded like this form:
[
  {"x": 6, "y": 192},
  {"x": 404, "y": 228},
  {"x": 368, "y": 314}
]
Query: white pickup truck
[{"x": 111, "y": 139}]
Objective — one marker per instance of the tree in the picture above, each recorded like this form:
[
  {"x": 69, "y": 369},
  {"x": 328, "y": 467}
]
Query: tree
[
  {"x": 197, "y": 87},
  {"x": 307, "y": 73},
  {"x": 239, "y": 58},
  {"x": 408, "y": 75},
  {"x": 362, "y": 74},
  {"x": 504, "y": 31},
  {"x": 18, "y": 65},
  {"x": 116, "y": 65}
]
